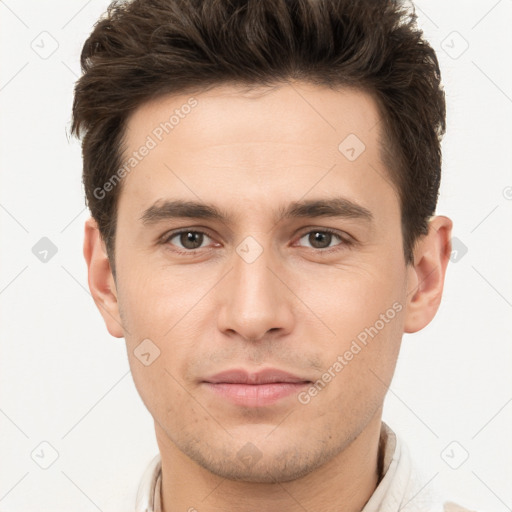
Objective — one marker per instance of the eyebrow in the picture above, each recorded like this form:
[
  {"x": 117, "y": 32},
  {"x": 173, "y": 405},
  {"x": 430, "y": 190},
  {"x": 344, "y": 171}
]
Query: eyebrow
[{"x": 331, "y": 207}]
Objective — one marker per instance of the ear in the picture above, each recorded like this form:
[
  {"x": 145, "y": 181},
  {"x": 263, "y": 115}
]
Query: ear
[
  {"x": 426, "y": 276},
  {"x": 100, "y": 278}
]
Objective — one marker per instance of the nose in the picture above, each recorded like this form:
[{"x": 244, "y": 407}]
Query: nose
[{"x": 255, "y": 301}]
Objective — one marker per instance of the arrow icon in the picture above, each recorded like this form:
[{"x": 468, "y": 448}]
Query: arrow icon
[
  {"x": 44, "y": 250},
  {"x": 147, "y": 352},
  {"x": 455, "y": 455},
  {"x": 351, "y": 147},
  {"x": 459, "y": 250},
  {"x": 454, "y": 45},
  {"x": 249, "y": 249},
  {"x": 44, "y": 455}
]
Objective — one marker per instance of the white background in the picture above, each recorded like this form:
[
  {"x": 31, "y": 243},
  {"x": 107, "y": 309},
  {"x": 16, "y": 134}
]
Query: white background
[{"x": 66, "y": 382}]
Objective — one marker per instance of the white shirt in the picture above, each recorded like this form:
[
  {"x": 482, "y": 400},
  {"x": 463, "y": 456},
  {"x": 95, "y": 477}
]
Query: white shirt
[{"x": 399, "y": 489}]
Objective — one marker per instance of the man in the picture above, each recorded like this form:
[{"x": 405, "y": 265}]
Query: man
[{"x": 262, "y": 177}]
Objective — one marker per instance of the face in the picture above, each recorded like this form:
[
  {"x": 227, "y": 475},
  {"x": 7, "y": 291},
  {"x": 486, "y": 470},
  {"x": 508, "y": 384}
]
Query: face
[{"x": 260, "y": 277}]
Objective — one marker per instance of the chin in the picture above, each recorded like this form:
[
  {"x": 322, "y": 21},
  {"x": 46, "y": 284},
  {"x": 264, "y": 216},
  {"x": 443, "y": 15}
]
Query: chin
[{"x": 249, "y": 464}]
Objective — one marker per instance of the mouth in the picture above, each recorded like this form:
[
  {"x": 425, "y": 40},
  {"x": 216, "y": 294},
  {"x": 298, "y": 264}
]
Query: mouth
[{"x": 258, "y": 389}]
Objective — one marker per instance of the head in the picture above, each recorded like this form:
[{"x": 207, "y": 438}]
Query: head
[{"x": 262, "y": 178}]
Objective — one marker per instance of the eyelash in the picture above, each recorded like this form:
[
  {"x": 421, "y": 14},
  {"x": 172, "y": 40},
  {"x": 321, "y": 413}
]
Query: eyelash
[{"x": 345, "y": 241}]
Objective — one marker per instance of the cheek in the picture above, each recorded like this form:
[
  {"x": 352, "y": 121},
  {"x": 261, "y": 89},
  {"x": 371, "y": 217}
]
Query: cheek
[
  {"x": 164, "y": 316},
  {"x": 155, "y": 302},
  {"x": 362, "y": 309},
  {"x": 163, "y": 392},
  {"x": 349, "y": 298},
  {"x": 158, "y": 334}
]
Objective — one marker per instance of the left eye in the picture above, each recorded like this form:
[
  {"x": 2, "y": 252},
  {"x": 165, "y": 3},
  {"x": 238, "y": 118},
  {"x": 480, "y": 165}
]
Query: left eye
[
  {"x": 189, "y": 240},
  {"x": 321, "y": 239}
]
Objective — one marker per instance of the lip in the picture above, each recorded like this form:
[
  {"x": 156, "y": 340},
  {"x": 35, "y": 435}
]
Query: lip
[
  {"x": 255, "y": 389},
  {"x": 265, "y": 376}
]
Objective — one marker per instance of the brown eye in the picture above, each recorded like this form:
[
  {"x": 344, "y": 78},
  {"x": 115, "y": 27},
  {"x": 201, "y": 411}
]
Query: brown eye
[
  {"x": 321, "y": 239},
  {"x": 189, "y": 240}
]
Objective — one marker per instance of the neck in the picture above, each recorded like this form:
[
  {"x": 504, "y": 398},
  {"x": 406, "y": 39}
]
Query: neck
[{"x": 345, "y": 483}]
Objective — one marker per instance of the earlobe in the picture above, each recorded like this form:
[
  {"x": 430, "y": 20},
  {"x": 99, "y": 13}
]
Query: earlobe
[
  {"x": 100, "y": 279},
  {"x": 427, "y": 274}
]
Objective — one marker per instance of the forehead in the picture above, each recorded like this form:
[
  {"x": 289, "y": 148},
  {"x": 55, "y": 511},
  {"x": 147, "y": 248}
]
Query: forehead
[
  {"x": 226, "y": 113},
  {"x": 253, "y": 144}
]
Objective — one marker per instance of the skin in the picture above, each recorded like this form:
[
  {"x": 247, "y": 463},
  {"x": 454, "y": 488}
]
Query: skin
[{"x": 295, "y": 308}]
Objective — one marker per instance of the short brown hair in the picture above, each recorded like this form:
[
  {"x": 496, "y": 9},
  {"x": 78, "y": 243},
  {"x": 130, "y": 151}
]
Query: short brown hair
[{"x": 147, "y": 48}]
